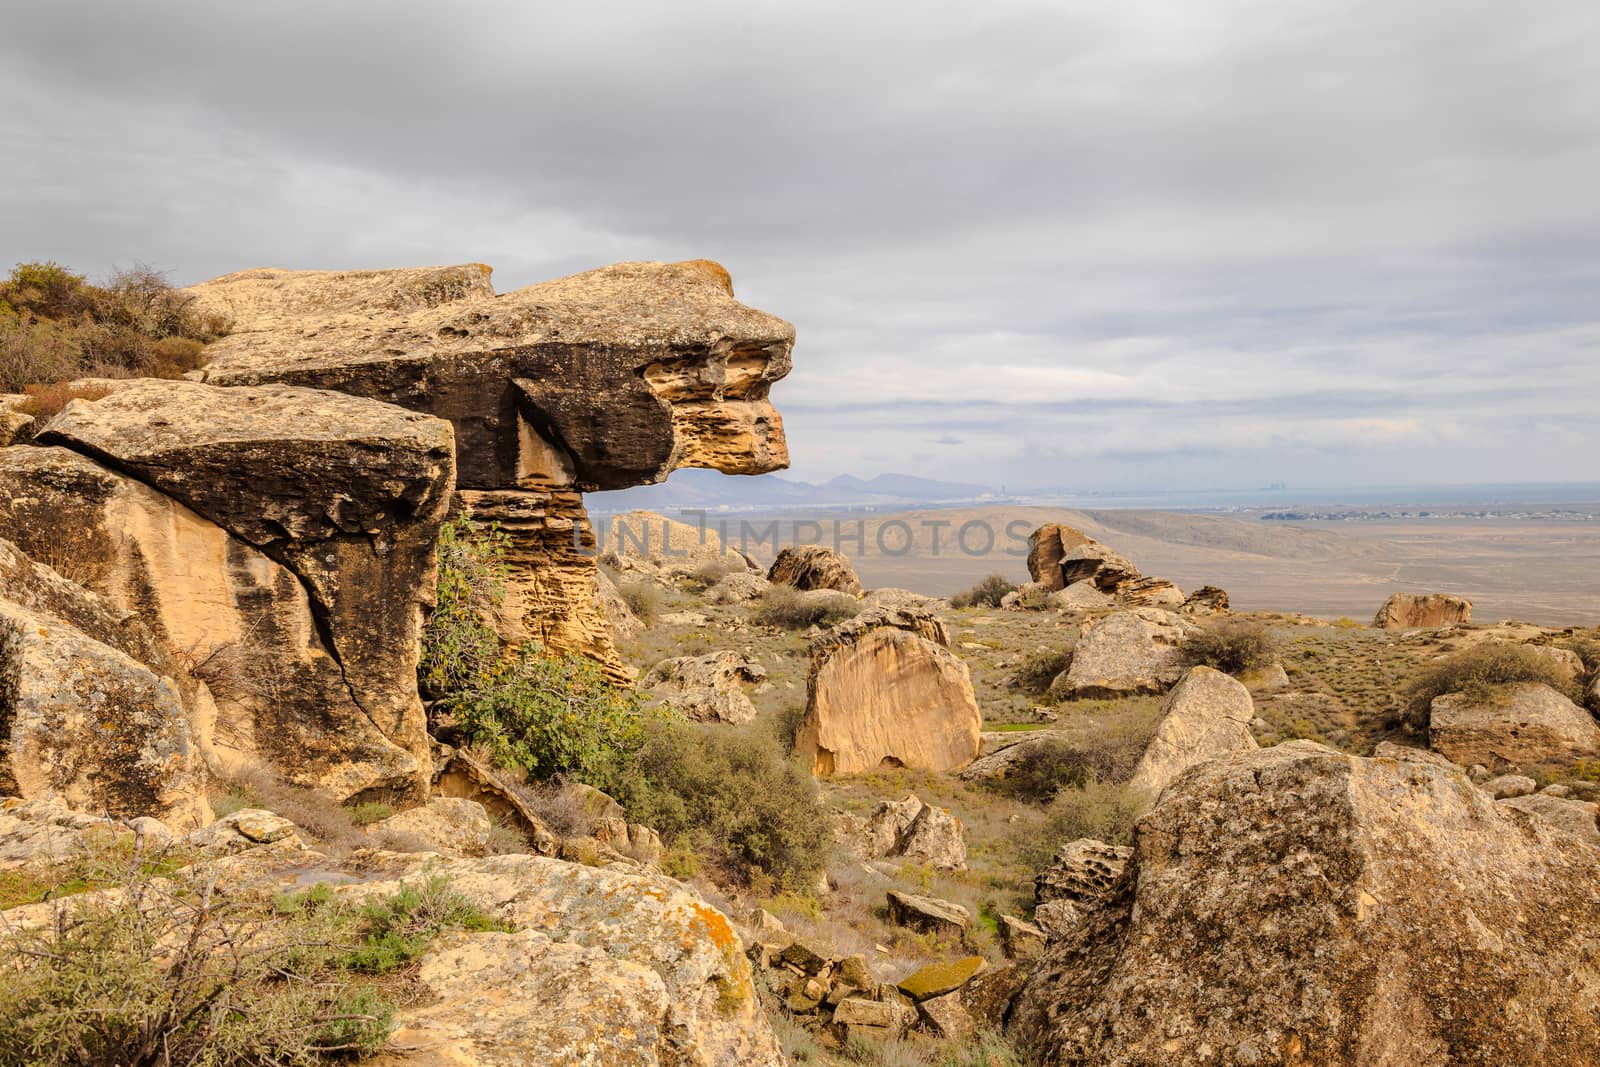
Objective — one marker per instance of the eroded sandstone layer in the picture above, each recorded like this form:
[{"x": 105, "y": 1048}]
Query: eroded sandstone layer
[{"x": 602, "y": 380}]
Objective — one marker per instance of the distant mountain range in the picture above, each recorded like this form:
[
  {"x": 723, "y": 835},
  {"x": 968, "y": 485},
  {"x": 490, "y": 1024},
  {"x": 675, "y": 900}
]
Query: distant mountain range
[{"x": 694, "y": 488}]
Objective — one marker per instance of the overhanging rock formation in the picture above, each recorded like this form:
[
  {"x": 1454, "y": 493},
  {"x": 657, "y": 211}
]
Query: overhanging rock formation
[{"x": 603, "y": 380}]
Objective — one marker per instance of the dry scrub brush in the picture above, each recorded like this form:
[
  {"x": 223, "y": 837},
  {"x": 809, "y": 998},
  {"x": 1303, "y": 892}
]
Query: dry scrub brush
[{"x": 1480, "y": 672}]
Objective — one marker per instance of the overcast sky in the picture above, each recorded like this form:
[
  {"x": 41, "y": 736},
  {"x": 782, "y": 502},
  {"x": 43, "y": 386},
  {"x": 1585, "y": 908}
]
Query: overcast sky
[{"x": 1093, "y": 245}]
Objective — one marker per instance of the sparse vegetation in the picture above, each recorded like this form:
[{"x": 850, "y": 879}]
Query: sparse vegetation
[
  {"x": 1479, "y": 671},
  {"x": 1095, "y": 809},
  {"x": 732, "y": 796},
  {"x": 986, "y": 594},
  {"x": 165, "y": 968},
  {"x": 55, "y": 326},
  {"x": 643, "y": 598},
  {"x": 1039, "y": 669},
  {"x": 1232, "y": 646},
  {"x": 788, "y": 608}
]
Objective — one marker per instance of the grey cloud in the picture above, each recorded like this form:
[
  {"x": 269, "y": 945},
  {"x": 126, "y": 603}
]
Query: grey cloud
[{"x": 1226, "y": 212}]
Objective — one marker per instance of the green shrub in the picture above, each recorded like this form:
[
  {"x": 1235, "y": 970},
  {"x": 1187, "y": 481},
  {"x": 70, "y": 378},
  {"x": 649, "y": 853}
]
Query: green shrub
[
  {"x": 1036, "y": 672},
  {"x": 1478, "y": 672},
  {"x": 167, "y": 970},
  {"x": 986, "y": 594},
  {"x": 788, "y": 608},
  {"x": 730, "y": 795},
  {"x": 32, "y": 351},
  {"x": 370, "y": 811},
  {"x": 1094, "y": 809},
  {"x": 550, "y": 715},
  {"x": 460, "y": 646},
  {"x": 1232, "y": 646},
  {"x": 643, "y": 598}
]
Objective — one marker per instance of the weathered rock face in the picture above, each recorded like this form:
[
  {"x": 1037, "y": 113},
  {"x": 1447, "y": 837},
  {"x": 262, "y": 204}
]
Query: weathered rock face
[
  {"x": 81, "y": 718},
  {"x": 1046, "y": 547},
  {"x": 1127, "y": 652},
  {"x": 1296, "y": 905},
  {"x": 1207, "y": 600},
  {"x": 809, "y": 567},
  {"x": 1084, "y": 873},
  {"x": 1094, "y": 562},
  {"x": 347, "y": 493},
  {"x": 1206, "y": 715},
  {"x": 1517, "y": 725},
  {"x": 708, "y": 688},
  {"x": 273, "y": 693},
  {"x": 1080, "y": 596},
  {"x": 1405, "y": 611},
  {"x": 884, "y": 690},
  {"x": 1577, "y": 817},
  {"x": 603, "y": 380},
  {"x": 1151, "y": 593},
  {"x": 929, "y": 915},
  {"x": 912, "y": 830},
  {"x": 605, "y": 966}
]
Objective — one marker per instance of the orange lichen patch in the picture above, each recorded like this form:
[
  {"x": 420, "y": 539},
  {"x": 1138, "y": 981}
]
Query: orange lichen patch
[{"x": 711, "y": 269}]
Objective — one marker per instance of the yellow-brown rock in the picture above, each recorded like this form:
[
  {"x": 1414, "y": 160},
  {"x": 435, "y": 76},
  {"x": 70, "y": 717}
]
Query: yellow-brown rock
[
  {"x": 884, "y": 690},
  {"x": 602, "y": 380},
  {"x": 1046, "y": 547},
  {"x": 1406, "y": 611}
]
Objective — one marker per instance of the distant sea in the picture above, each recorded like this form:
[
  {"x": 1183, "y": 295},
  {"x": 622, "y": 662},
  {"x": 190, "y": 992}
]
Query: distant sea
[{"x": 1497, "y": 496}]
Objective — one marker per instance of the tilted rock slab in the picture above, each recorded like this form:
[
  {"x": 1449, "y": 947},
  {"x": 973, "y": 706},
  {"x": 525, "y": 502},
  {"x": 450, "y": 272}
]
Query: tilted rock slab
[
  {"x": 1519, "y": 724},
  {"x": 1206, "y": 715},
  {"x": 1405, "y": 611},
  {"x": 603, "y": 380},
  {"x": 1126, "y": 653},
  {"x": 1046, "y": 547},
  {"x": 275, "y": 694},
  {"x": 1296, "y": 905},
  {"x": 625, "y": 969},
  {"x": 883, "y": 690}
]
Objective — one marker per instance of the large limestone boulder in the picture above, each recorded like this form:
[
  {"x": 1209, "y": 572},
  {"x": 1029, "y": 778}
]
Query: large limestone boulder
[
  {"x": 808, "y": 567},
  {"x": 347, "y": 493},
  {"x": 1126, "y": 653},
  {"x": 884, "y": 690},
  {"x": 623, "y": 968},
  {"x": 602, "y": 380},
  {"x": 1576, "y": 817},
  {"x": 708, "y": 688},
  {"x": 1047, "y": 546},
  {"x": 1407, "y": 611},
  {"x": 1516, "y": 725},
  {"x": 1206, "y": 715},
  {"x": 1296, "y": 905}
]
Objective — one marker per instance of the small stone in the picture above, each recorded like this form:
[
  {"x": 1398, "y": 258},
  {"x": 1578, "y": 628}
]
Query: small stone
[{"x": 1510, "y": 785}]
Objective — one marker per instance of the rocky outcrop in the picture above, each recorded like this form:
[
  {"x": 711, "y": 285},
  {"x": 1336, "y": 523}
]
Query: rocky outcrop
[
  {"x": 449, "y": 826},
  {"x": 1094, "y": 562},
  {"x": 708, "y": 688},
  {"x": 1406, "y": 611},
  {"x": 1047, "y": 546},
  {"x": 624, "y": 968},
  {"x": 606, "y": 379},
  {"x": 1296, "y": 905},
  {"x": 912, "y": 830},
  {"x": 1516, "y": 725},
  {"x": 884, "y": 690},
  {"x": 1126, "y": 653},
  {"x": 1207, "y": 600},
  {"x": 346, "y": 493},
  {"x": 1084, "y": 873},
  {"x": 1150, "y": 593},
  {"x": 807, "y": 567},
  {"x": 1080, "y": 596},
  {"x": 90, "y": 713},
  {"x": 1206, "y": 715},
  {"x": 929, "y": 915}
]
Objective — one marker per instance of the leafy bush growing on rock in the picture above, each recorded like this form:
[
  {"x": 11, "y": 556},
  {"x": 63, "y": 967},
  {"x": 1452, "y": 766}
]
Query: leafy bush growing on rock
[
  {"x": 1232, "y": 646},
  {"x": 1478, "y": 672},
  {"x": 986, "y": 594},
  {"x": 543, "y": 713}
]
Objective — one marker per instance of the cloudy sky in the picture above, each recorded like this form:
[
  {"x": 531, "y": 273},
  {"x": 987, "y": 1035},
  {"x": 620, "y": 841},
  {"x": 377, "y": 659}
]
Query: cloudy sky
[{"x": 1082, "y": 244}]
